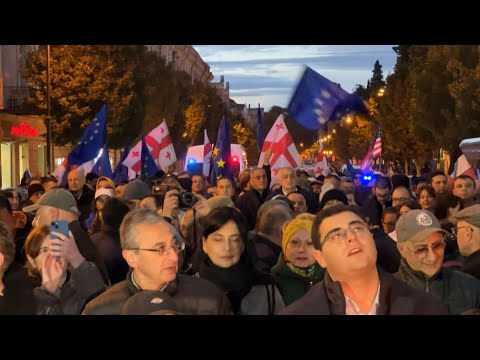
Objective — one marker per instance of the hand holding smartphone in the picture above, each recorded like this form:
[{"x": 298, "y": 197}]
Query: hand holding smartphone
[{"x": 60, "y": 226}]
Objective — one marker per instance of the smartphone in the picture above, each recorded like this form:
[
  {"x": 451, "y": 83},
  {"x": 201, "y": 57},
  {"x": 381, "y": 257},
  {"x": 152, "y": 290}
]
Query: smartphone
[{"x": 60, "y": 226}]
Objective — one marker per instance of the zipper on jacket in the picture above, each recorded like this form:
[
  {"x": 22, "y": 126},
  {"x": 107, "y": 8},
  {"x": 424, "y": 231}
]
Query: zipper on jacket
[{"x": 427, "y": 288}]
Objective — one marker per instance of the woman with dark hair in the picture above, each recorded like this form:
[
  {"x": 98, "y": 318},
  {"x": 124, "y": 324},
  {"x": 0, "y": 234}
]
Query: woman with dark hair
[
  {"x": 227, "y": 260},
  {"x": 426, "y": 197},
  {"x": 409, "y": 205},
  {"x": 65, "y": 280}
]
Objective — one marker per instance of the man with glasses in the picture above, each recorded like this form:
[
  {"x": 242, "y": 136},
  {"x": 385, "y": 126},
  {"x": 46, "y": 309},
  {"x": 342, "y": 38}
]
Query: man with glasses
[
  {"x": 467, "y": 232},
  {"x": 353, "y": 285},
  {"x": 420, "y": 240},
  {"x": 151, "y": 247}
]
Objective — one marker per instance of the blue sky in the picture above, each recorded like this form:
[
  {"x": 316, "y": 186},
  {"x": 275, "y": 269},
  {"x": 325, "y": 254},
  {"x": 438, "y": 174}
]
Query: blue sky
[{"x": 267, "y": 74}]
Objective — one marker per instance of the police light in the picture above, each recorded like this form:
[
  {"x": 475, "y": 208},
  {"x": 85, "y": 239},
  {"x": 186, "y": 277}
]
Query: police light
[
  {"x": 235, "y": 159},
  {"x": 191, "y": 161}
]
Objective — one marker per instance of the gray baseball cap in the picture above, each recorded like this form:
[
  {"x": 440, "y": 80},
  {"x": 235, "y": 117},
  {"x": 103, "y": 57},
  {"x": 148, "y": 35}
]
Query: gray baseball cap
[
  {"x": 416, "y": 225},
  {"x": 58, "y": 198}
]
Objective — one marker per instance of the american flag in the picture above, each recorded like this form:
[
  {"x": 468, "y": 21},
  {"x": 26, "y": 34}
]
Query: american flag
[
  {"x": 374, "y": 151},
  {"x": 377, "y": 147}
]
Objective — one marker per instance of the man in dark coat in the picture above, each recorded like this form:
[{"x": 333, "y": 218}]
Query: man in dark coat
[
  {"x": 353, "y": 285},
  {"x": 468, "y": 238},
  {"x": 150, "y": 247}
]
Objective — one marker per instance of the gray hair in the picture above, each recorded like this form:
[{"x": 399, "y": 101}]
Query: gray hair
[{"x": 141, "y": 216}]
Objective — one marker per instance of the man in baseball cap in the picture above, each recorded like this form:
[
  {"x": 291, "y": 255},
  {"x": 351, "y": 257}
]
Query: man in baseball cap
[
  {"x": 468, "y": 238},
  {"x": 420, "y": 241},
  {"x": 60, "y": 204}
]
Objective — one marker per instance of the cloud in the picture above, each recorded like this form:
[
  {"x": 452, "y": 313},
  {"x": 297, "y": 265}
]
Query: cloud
[{"x": 268, "y": 73}]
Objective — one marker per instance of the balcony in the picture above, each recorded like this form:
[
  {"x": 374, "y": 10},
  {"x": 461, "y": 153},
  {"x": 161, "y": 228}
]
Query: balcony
[{"x": 14, "y": 99}]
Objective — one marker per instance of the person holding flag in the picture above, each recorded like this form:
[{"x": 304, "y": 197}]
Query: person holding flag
[
  {"x": 221, "y": 154},
  {"x": 85, "y": 153}
]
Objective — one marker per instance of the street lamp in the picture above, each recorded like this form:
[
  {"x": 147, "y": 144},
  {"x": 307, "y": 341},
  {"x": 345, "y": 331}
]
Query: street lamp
[{"x": 49, "y": 119}]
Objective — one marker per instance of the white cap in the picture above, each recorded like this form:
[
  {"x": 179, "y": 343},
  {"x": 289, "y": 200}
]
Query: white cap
[{"x": 104, "y": 191}]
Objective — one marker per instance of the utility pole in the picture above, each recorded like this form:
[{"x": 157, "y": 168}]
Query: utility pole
[{"x": 49, "y": 119}]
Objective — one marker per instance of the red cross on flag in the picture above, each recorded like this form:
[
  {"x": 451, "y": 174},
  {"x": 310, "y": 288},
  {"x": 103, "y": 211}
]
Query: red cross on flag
[
  {"x": 321, "y": 166},
  {"x": 160, "y": 146},
  {"x": 284, "y": 152}
]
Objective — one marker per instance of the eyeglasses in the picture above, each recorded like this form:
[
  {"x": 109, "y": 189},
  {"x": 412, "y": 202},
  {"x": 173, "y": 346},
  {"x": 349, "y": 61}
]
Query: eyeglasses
[
  {"x": 437, "y": 248},
  {"x": 163, "y": 249},
  {"x": 340, "y": 236},
  {"x": 455, "y": 229},
  {"x": 383, "y": 196},
  {"x": 400, "y": 200}
]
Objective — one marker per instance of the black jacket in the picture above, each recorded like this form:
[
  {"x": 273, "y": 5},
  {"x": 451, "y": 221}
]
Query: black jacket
[
  {"x": 471, "y": 264},
  {"x": 84, "y": 203},
  {"x": 396, "y": 298},
  {"x": 192, "y": 296},
  {"x": 388, "y": 256},
  {"x": 17, "y": 296},
  {"x": 88, "y": 249},
  {"x": 107, "y": 243},
  {"x": 266, "y": 252},
  {"x": 459, "y": 291},
  {"x": 249, "y": 203}
]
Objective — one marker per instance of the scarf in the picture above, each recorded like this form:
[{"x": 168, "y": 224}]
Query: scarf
[
  {"x": 308, "y": 272},
  {"x": 236, "y": 280}
]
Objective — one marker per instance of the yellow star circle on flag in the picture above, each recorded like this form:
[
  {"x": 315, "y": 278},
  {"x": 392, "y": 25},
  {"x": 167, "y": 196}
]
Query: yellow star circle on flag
[
  {"x": 220, "y": 163},
  {"x": 215, "y": 151}
]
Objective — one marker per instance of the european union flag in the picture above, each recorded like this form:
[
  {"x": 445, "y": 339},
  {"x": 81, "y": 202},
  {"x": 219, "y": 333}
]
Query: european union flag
[
  {"x": 92, "y": 140},
  {"x": 317, "y": 100},
  {"x": 102, "y": 167},
  {"x": 259, "y": 129},
  {"x": 89, "y": 146},
  {"x": 148, "y": 166},
  {"x": 120, "y": 174},
  {"x": 221, "y": 155}
]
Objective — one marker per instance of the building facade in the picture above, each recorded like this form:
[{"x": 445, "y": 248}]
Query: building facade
[{"x": 185, "y": 58}]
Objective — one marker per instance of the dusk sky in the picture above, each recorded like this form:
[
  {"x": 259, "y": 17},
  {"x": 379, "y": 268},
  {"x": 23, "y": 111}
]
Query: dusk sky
[{"x": 268, "y": 74}]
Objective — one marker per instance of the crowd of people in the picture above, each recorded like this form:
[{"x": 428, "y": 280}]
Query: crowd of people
[{"x": 174, "y": 244}]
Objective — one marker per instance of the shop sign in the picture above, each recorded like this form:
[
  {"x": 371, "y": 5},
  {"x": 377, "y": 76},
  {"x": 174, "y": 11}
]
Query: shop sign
[{"x": 24, "y": 129}]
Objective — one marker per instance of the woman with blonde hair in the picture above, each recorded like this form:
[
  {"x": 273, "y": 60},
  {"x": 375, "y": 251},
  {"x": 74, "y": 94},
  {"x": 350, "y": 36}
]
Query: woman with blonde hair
[{"x": 296, "y": 270}]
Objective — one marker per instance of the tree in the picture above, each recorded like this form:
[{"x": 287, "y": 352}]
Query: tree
[
  {"x": 195, "y": 115},
  {"x": 396, "y": 113},
  {"x": 83, "y": 78},
  {"x": 376, "y": 82},
  {"x": 361, "y": 138}
]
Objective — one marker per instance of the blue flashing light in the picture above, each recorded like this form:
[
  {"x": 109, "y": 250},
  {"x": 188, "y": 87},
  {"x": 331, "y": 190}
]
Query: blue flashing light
[{"x": 191, "y": 161}]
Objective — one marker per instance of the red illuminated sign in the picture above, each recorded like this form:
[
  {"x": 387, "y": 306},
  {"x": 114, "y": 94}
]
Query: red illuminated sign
[{"x": 24, "y": 129}]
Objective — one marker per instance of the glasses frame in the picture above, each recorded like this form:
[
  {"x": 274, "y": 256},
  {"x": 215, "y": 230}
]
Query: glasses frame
[
  {"x": 343, "y": 234},
  {"x": 177, "y": 247}
]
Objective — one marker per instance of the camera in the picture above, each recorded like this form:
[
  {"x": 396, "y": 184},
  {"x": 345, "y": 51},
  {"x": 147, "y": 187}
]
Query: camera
[{"x": 186, "y": 200}]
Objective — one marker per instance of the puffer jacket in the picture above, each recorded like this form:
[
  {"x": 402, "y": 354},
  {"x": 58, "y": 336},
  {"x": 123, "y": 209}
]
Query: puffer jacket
[
  {"x": 293, "y": 286},
  {"x": 192, "y": 296},
  {"x": 459, "y": 291},
  {"x": 396, "y": 298}
]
